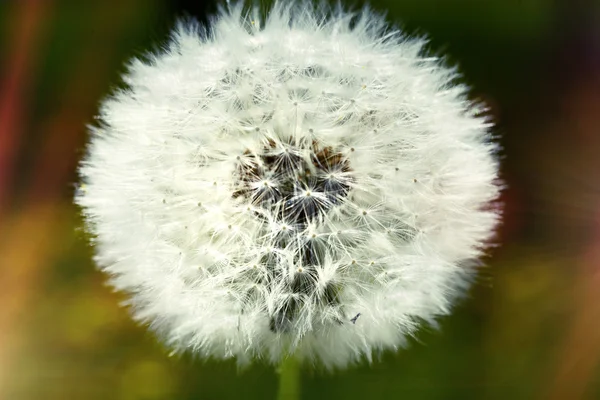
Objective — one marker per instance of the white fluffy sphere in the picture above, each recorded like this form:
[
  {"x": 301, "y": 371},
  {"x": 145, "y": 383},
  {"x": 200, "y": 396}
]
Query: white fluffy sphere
[{"x": 307, "y": 184}]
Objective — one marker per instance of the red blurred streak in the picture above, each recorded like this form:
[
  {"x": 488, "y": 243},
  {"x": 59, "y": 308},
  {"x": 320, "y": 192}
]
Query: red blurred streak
[
  {"x": 15, "y": 86},
  {"x": 30, "y": 240},
  {"x": 581, "y": 350},
  {"x": 579, "y": 356}
]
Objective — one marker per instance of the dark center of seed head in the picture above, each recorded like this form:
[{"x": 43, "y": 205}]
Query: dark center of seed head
[
  {"x": 301, "y": 192},
  {"x": 294, "y": 179}
]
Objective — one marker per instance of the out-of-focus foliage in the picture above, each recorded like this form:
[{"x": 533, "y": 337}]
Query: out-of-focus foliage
[{"x": 530, "y": 327}]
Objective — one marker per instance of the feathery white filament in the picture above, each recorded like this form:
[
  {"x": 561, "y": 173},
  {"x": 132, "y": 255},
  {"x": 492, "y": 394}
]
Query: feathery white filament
[{"x": 258, "y": 187}]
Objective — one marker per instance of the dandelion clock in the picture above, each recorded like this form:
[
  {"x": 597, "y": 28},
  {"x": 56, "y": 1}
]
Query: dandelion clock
[{"x": 309, "y": 184}]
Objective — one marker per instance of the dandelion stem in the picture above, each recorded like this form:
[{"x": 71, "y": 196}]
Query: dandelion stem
[{"x": 289, "y": 380}]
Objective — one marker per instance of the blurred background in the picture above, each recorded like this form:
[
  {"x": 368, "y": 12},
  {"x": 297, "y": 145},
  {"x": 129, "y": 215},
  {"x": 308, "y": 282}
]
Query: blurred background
[{"x": 530, "y": 327}]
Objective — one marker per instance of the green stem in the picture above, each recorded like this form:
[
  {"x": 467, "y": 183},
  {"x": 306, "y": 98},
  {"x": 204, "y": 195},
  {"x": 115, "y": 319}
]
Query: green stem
[{"x": 289, "y": 380}]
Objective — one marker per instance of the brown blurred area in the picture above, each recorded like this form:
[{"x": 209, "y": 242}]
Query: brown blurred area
[{"x": 530, "y": 328}]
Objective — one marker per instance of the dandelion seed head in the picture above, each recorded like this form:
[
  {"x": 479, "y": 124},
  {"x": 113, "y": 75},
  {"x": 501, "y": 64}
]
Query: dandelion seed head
[{"x": 261, "y": 184}]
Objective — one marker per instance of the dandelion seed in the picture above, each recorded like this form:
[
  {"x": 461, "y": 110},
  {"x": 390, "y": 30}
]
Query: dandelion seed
[{"x": 263, "y": 209}]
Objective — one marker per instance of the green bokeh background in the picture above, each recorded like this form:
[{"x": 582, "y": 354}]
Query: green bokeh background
[{"x": 529, "y": 328}]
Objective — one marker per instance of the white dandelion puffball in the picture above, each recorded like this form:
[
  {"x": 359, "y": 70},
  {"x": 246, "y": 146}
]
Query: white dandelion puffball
[{"x": 308, "y": 184}]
